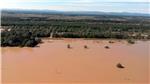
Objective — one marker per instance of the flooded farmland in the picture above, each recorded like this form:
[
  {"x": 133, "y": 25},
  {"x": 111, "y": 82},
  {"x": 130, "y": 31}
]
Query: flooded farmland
[{"x": 77, "y": 61}]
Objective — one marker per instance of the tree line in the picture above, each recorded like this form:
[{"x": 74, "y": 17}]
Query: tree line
[{"x": 28, "y": 32}]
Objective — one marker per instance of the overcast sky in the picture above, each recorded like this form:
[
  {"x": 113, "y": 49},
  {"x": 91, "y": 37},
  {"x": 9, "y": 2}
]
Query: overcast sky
[{"x": 135, "y": 6}]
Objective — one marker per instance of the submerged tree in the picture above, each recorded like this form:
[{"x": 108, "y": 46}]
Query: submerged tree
[
  {"x": 68, "y": 46},
  {"x": 131, "y": 41},
  {"x": 119, "y": 65},
  {"x": 85, "y": 46},
  {"x": 107, "y": 47}
]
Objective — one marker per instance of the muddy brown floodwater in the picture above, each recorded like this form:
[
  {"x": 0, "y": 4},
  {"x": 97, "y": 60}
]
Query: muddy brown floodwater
[{"x": 53, "y": 62}]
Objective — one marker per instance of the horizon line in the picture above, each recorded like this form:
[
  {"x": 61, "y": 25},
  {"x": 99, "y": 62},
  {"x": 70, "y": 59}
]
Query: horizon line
[{"x": 73, "y": 10}]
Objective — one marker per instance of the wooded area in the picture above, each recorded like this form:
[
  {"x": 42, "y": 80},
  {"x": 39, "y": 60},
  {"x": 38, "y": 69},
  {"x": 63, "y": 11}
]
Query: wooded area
[{"x": 19, "y": 29}]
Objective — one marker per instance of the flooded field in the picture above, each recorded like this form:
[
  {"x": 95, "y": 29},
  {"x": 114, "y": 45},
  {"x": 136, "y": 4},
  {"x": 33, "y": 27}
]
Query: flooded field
[{"x": 70, "y": 61}]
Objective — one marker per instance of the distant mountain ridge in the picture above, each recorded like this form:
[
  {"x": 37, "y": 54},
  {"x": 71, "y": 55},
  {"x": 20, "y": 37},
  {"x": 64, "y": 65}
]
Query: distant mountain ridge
[{"x": 72, "y": 12}]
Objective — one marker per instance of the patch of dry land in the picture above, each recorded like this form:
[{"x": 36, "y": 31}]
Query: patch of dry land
[{"x": 77, "y": 61}]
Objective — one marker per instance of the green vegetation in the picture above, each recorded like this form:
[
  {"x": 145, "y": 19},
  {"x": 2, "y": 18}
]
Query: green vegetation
[
  {"x": 111, "y": 42},
  {"x": 131, "y": 41},
  {"x": 14, "y": 38},
  {"x": 27, "y": 29}
]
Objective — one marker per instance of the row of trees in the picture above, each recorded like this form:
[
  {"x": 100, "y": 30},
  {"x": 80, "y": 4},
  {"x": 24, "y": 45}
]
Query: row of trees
[{"x": 28, "y": 32}]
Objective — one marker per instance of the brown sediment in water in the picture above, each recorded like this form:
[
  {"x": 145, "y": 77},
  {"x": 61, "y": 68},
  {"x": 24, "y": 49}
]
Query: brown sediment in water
[{"x": 52, "y": 62}]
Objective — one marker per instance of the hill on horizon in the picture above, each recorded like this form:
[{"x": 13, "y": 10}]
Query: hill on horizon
[{"x": 33, "y": 11}]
